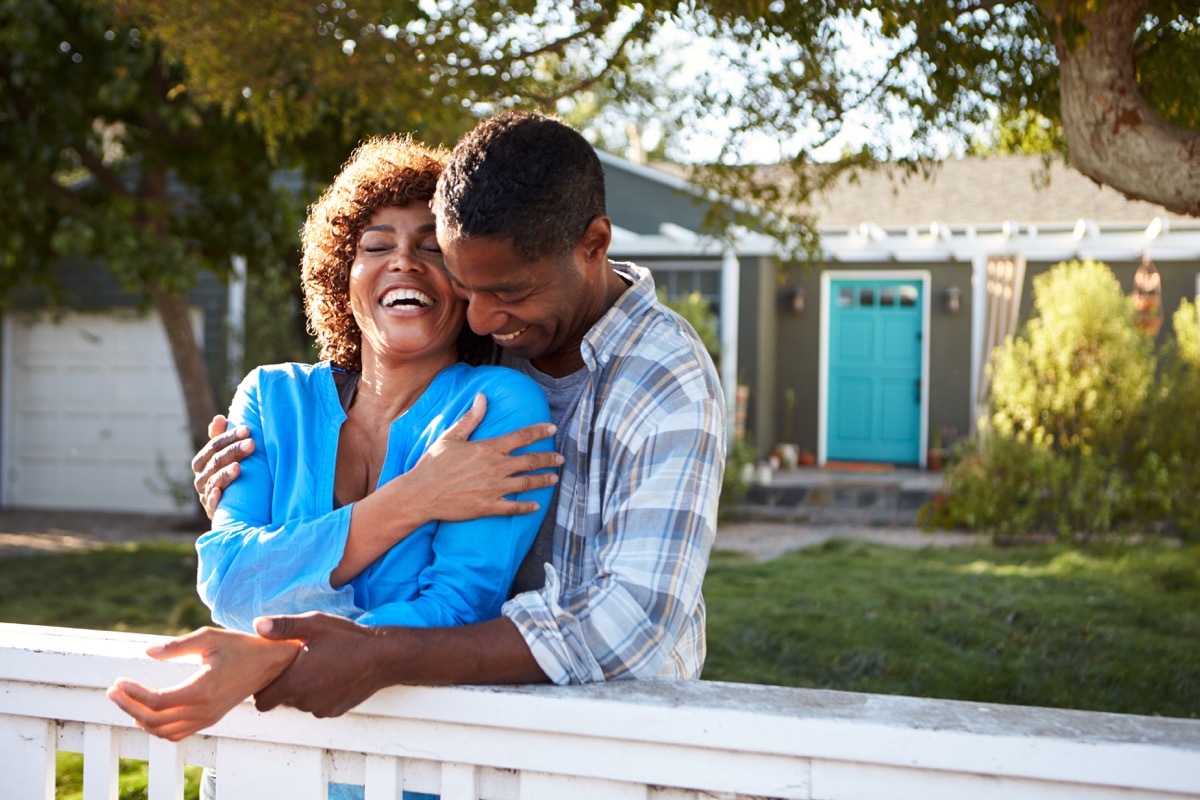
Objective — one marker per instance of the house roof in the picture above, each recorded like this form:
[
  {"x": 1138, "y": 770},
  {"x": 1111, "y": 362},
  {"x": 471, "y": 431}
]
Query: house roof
[
  {"x": 965, "y": 207},
  {"x": 981, "y": 191},
  {"x": 961, "y": 192}
]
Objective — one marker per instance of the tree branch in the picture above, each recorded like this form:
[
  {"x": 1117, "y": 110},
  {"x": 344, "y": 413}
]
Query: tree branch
[
  {"x": 67, "y": 199},
  {"x": 100, "y": 171},
  {"x": 1113, "y": 134},
  {"x": 591, "y": 80}
]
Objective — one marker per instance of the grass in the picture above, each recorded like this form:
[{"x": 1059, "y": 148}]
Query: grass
[
  {"x": 1101, "y": 628},
  {"x": 148, "y": 588},
  {"x": 133, "y": 782},
  {"x": 1113, "y": 628}
]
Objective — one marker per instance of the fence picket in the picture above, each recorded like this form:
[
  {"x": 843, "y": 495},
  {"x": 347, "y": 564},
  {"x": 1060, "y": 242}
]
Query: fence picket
[
  {"x": 27, "y": 747},
  {"x": 101, "y": 761}
]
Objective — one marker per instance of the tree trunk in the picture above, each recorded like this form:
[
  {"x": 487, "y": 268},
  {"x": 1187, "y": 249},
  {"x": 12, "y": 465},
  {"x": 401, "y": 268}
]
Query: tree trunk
[
  {"x": 1113, "y": 135},
  {"x": 189, "y": 362}
]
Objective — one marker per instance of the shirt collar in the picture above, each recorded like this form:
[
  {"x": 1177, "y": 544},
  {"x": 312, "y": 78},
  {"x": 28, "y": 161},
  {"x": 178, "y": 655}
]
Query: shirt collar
[{"x": 610, "y": 333}]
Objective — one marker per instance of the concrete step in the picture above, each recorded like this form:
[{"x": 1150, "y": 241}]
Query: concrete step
[{"x": 822, "y": 497}]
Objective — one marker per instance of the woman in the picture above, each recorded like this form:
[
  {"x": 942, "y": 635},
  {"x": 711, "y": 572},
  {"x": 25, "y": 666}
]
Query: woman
[{"x": 313, "y": 526}]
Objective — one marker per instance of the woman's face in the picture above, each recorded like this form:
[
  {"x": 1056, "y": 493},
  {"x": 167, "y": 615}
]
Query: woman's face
[{"x": 399, "y": 293}]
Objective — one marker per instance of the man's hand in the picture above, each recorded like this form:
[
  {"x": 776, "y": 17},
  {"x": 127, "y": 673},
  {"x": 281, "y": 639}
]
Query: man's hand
[
  {"x": 216, "y": 465},
  {"x": 342, "y": 663},
  {"x": 332, "y": 673},
  {"x": 235, "y": 666},
  {"x": 458, "y": 480}
]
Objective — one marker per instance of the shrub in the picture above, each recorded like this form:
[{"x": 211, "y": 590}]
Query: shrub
[
  {"x": 1066, "y": 449},
  {"x": 1174, "y": 425}
]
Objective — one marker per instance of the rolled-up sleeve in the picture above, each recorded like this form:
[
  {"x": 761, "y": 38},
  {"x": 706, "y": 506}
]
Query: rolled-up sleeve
[
  {"x": 659, "y": 510},
  {"x": 250, "y": 564}
]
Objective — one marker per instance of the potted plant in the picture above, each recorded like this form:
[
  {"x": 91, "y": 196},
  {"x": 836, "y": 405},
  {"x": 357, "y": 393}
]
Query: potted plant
[{"x": 939, "y": 447}]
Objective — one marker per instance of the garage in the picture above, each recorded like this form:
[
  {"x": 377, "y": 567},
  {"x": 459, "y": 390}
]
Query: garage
[{"x": 93, "y": 415}]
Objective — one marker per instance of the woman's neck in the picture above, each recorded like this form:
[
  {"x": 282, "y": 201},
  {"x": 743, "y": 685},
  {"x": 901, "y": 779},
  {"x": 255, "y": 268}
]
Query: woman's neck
[{"x": 386, "y": 390}]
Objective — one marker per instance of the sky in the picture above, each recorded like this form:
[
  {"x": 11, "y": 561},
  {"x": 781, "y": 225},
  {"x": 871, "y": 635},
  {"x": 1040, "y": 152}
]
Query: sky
[{"x": 687, "y": 60}]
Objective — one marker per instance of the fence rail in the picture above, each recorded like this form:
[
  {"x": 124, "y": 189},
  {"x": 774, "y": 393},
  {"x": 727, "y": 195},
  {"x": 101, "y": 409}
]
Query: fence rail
[{"x": 649, "y": 740}]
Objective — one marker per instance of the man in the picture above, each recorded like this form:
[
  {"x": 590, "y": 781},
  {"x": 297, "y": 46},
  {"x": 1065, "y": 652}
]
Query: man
[{"x": 617, "y": 570}]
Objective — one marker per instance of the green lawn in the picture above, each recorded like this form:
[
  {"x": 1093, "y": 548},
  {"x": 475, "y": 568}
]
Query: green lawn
[
  {"x": 1103, "y": 628},
  {"x": 149, "y": 588}
]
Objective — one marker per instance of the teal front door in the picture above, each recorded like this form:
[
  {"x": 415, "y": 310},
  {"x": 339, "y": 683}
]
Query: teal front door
[{"x": 874, "y": 405}]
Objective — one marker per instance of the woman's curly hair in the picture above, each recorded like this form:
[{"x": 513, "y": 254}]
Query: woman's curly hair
[{"x": 382, "y": 171}]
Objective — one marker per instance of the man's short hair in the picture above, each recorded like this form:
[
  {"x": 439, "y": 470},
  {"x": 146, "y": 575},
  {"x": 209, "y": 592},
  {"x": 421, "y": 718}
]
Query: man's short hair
[{"x": 523, "y": 177}]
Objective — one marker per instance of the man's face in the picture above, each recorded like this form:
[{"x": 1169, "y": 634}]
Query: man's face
[{"x": 532, "y": 308}]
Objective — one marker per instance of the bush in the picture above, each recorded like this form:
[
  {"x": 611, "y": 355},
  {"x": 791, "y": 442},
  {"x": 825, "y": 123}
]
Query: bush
[
  {"x": 1068, "y": 448},
  {"x": 1174, "y": 425}
]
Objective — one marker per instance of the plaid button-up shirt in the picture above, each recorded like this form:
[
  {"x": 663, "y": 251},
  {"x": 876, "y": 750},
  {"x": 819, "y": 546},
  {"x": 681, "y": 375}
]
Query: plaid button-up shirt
[{"x": 637, "y": 503}]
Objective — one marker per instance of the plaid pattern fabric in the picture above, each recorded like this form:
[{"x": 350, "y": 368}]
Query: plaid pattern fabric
[{"x": 637, "y": 503}]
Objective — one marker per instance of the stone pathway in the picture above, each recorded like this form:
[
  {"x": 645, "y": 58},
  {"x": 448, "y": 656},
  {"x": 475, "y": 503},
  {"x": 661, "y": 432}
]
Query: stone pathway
[
  {"x": 27, "y": 532},
  {"x": 767, "y": 540},
  {"x": 30, "y": 531}
]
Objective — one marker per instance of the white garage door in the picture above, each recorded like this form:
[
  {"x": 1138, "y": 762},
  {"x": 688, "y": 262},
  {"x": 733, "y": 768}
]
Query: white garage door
[{"x": 94, "y": 415}]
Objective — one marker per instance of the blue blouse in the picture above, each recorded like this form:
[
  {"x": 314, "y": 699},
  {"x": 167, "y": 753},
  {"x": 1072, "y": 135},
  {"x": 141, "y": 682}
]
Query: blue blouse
[{"x": 276, "y": 536}]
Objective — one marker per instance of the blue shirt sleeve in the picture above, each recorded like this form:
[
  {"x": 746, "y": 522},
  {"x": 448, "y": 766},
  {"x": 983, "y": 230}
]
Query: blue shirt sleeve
[
  {"x": 474, "y": 562},
  {"x": 269, "y": 554},
  {"x": 251, "y": 564}
]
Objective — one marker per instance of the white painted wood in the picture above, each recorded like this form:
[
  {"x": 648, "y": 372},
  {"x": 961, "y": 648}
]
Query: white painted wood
[
  {"x": 499, "y": 784},
  {"x": 459, "y": 782},
  {"x": 384, "y": 778},
  {"x": 665, "y": 740},
  {"x": 543, "y": 786},
  {"x": 100, "y": 762},
  {"x": 27, "y": 757},
  {"x": 166, "y": 769},
  {"x": 95, "y": 413},
  {"x": 847, "y": 781},
  {"x": 262, "y": 770}
]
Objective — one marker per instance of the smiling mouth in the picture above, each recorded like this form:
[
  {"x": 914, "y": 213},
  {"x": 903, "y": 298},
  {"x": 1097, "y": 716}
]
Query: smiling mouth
[
  {"x": 406, "y": 298},
  {"x": 502, "y": 338}
]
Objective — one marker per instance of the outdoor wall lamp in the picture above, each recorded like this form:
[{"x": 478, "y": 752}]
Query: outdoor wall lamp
[
  {"x": 794, "y": 300},
  {"x": 952, "y": 299}
]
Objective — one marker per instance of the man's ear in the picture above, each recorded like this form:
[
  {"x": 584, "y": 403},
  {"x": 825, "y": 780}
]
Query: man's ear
[{"x": 593, "y": 245}]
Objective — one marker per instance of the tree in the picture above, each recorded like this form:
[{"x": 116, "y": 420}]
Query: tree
[
  {"x": 105, "y": 154},
  {"x": 1114, "y": 75}
]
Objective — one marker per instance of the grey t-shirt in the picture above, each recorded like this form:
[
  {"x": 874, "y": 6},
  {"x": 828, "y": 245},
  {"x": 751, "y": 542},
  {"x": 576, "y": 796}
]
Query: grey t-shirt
[{"x": 563, "y": 396}]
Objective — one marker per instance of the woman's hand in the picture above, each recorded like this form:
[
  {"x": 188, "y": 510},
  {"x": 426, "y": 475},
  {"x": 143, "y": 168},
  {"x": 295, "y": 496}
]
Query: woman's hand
[
  {"x": 235, "y": 666},
  {"x": 455, "y": 480}
]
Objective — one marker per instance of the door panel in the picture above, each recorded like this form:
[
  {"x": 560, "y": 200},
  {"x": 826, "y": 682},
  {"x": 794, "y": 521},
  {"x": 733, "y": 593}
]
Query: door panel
[{"x": 875, "y": 330}]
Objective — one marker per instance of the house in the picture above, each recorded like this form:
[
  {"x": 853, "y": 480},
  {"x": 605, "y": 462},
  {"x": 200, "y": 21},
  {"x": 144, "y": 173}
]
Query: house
[
  {"x": 91, "y": 410},
  {"x": 872, "y": 355},
  {"x": 881, "y": 351}
]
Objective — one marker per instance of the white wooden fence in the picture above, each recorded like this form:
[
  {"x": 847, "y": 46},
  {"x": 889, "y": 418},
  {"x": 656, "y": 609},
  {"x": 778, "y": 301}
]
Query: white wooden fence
[{"x": 647, "y": 740}]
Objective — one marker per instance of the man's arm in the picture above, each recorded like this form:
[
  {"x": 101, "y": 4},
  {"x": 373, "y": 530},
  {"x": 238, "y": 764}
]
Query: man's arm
[
  {"x": 595, "y": 631},
  {"x": 455, "y": 480},
  {"x": 343, "y": 663},
  {"x": 647, "y": 543}
]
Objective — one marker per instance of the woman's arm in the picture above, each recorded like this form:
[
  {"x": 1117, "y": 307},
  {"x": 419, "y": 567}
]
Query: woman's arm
[
  {"x": 475, "y": 561},
  {"x": 235, "y": 666},
  {"x": 268, "y": 551},
  {"x": 446, "y": 484}
]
